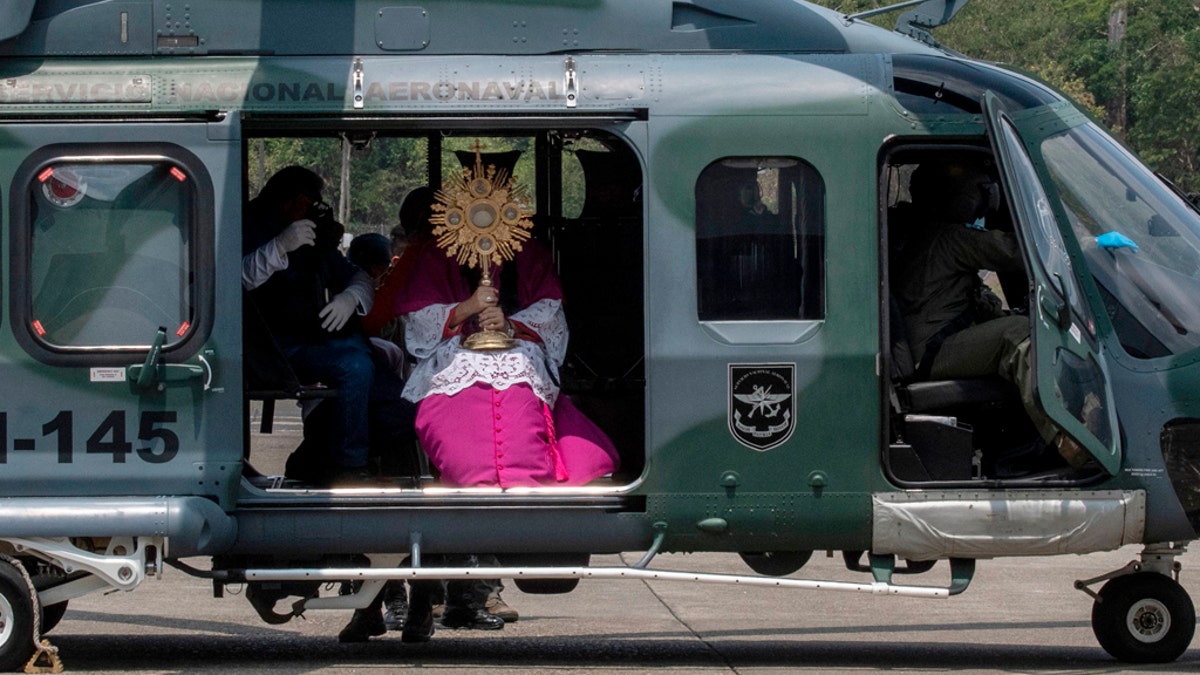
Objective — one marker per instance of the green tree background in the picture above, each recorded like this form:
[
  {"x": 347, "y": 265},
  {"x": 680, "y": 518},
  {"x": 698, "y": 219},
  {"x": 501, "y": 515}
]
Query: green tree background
[
  {"x": 381, "y": 174},
  {"x": 1133, "y": 64},
  {"x": 384, "y": 171}
]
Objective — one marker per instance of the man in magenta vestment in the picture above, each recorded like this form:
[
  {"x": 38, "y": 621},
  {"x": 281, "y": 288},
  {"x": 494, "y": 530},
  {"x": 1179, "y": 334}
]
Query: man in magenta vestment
[{"x": 496, "y": 418}]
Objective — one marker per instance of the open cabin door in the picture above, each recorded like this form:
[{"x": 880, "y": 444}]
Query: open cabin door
[{"x": 1072, "y": 383}]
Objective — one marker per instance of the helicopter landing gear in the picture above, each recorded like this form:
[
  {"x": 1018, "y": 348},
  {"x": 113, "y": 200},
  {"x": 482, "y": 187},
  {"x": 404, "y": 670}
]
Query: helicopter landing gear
[
  {"x": 1142, "y": 614},
  {"x": 1144, "y": 618},
  {"x": 45, "y": 577},
  {"x": 16, "y": 619},
  {"x": 21, "y": 644},
  {"x": 776, "y": 563},
  {"x": 853, "y": 560}
]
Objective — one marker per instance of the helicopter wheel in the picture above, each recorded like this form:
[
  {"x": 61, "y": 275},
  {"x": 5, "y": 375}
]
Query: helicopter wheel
[
  {"x": 853, "y": 560},
  {"x": 776, "y": 563},
  {"x": 51, "y": 614},
  {"x": 1144, "y": 618},
  {"x": 917, "y": 566},
  {"x": 16, "y": 619},
  {"x": 546, "y": 586}
]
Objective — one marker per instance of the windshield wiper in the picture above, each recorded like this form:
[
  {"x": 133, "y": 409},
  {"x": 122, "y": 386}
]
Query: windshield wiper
[{"x": 1193, "y": 201}]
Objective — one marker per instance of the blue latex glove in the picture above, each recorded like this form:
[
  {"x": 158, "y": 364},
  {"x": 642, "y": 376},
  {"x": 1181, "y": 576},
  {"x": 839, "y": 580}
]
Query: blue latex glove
[{"x": 1114, "y": 240}]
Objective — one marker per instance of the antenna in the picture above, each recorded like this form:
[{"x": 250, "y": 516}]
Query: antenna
[
  {"x": 883, "y": 10},
  {"x": 928, "y": 14}
]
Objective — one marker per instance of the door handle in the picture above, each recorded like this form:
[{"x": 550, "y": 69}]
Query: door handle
[
  {"x": 1059, "y": 309},
  {"x": 150, "y": 374},
  {"x": 143, "y": 376}
]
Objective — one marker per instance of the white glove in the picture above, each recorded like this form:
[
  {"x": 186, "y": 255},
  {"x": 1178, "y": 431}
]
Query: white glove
[
  {"x": 338, "y": 311},
  {"x": 300, "y": 233}
]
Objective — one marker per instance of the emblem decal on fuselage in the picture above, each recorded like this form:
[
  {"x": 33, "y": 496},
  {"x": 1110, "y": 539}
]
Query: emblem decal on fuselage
[{"x": 762, "y": 404}]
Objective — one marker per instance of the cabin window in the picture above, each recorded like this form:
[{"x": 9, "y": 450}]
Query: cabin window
[
  {"x": 760, "y": 240},
  {"x": 109, "y": 252}
]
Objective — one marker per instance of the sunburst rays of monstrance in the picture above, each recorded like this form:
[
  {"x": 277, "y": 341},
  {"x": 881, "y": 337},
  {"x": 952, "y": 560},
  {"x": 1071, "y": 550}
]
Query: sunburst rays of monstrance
[{"x": 481, "y": 218}]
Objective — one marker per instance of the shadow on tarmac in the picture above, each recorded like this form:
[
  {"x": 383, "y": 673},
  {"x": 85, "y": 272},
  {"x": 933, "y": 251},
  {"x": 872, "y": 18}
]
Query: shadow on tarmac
[{"x": 265, "y": 651}]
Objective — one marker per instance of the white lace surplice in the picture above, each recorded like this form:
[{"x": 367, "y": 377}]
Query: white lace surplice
[{"x": 445, "y": 367}]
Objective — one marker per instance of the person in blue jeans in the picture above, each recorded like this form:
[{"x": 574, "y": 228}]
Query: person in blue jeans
[{"x": 311, "y": 296}]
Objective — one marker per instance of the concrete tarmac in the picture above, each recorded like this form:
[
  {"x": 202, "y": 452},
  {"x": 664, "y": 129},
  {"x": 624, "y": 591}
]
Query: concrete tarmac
[{"x": 1020, "y": 615}]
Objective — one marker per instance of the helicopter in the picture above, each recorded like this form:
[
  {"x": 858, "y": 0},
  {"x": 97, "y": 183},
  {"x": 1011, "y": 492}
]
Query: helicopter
[{"x": 721, "y": 185}]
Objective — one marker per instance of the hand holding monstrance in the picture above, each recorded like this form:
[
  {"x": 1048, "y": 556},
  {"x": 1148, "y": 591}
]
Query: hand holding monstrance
[{"x": 481, "y": 218}]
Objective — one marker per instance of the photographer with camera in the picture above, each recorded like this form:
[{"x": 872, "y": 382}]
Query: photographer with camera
[{"x": 310, "y": 296}]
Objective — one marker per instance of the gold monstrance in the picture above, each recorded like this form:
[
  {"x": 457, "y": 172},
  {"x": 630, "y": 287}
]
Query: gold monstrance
[{"x": 481, "y": 218}]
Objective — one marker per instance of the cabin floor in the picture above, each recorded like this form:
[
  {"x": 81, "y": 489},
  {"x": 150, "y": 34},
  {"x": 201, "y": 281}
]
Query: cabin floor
[{"x": 269, "y": 452}]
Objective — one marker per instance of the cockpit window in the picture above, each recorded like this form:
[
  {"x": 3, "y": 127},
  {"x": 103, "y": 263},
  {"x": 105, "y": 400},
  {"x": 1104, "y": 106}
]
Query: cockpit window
[
  {"x": 1140, "y": 240},
  {"x": 938, "y": 85},
  {"x": 933, "y": 98}
]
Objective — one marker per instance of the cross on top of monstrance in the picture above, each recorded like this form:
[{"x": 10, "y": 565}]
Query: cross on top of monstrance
[{"x": 480, "y": 218}]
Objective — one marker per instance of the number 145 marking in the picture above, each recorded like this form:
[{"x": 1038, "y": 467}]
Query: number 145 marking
[{"x": 108, "y": 438}]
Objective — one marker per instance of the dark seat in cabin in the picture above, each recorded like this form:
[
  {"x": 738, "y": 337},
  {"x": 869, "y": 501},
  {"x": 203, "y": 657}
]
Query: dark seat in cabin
[
  {"x": 940, "y": 425},
  {"x": 267, "y": 376},
  {"x": 599, "y": 257},
  {"x": 943, "y": 395},
  {"x": 915, "y": 395}
]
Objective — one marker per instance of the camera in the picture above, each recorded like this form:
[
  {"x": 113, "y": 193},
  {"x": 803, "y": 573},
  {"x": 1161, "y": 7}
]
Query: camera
[{"x": 329, "y": 230}]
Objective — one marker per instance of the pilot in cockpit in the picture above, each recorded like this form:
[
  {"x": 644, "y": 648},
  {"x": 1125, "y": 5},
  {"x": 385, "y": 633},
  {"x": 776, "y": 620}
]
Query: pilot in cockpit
[{"x": 955, "y": 325}]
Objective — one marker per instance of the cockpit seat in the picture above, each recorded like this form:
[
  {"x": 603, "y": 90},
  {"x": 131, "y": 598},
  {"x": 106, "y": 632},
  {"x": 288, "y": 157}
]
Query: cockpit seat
[
  {"x": 941, "y": 395},
  {"x": 915, "y": 396}
]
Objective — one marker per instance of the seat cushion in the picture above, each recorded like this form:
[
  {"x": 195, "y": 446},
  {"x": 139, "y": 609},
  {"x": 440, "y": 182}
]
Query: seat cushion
[{"x": 943, "y": 394}]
